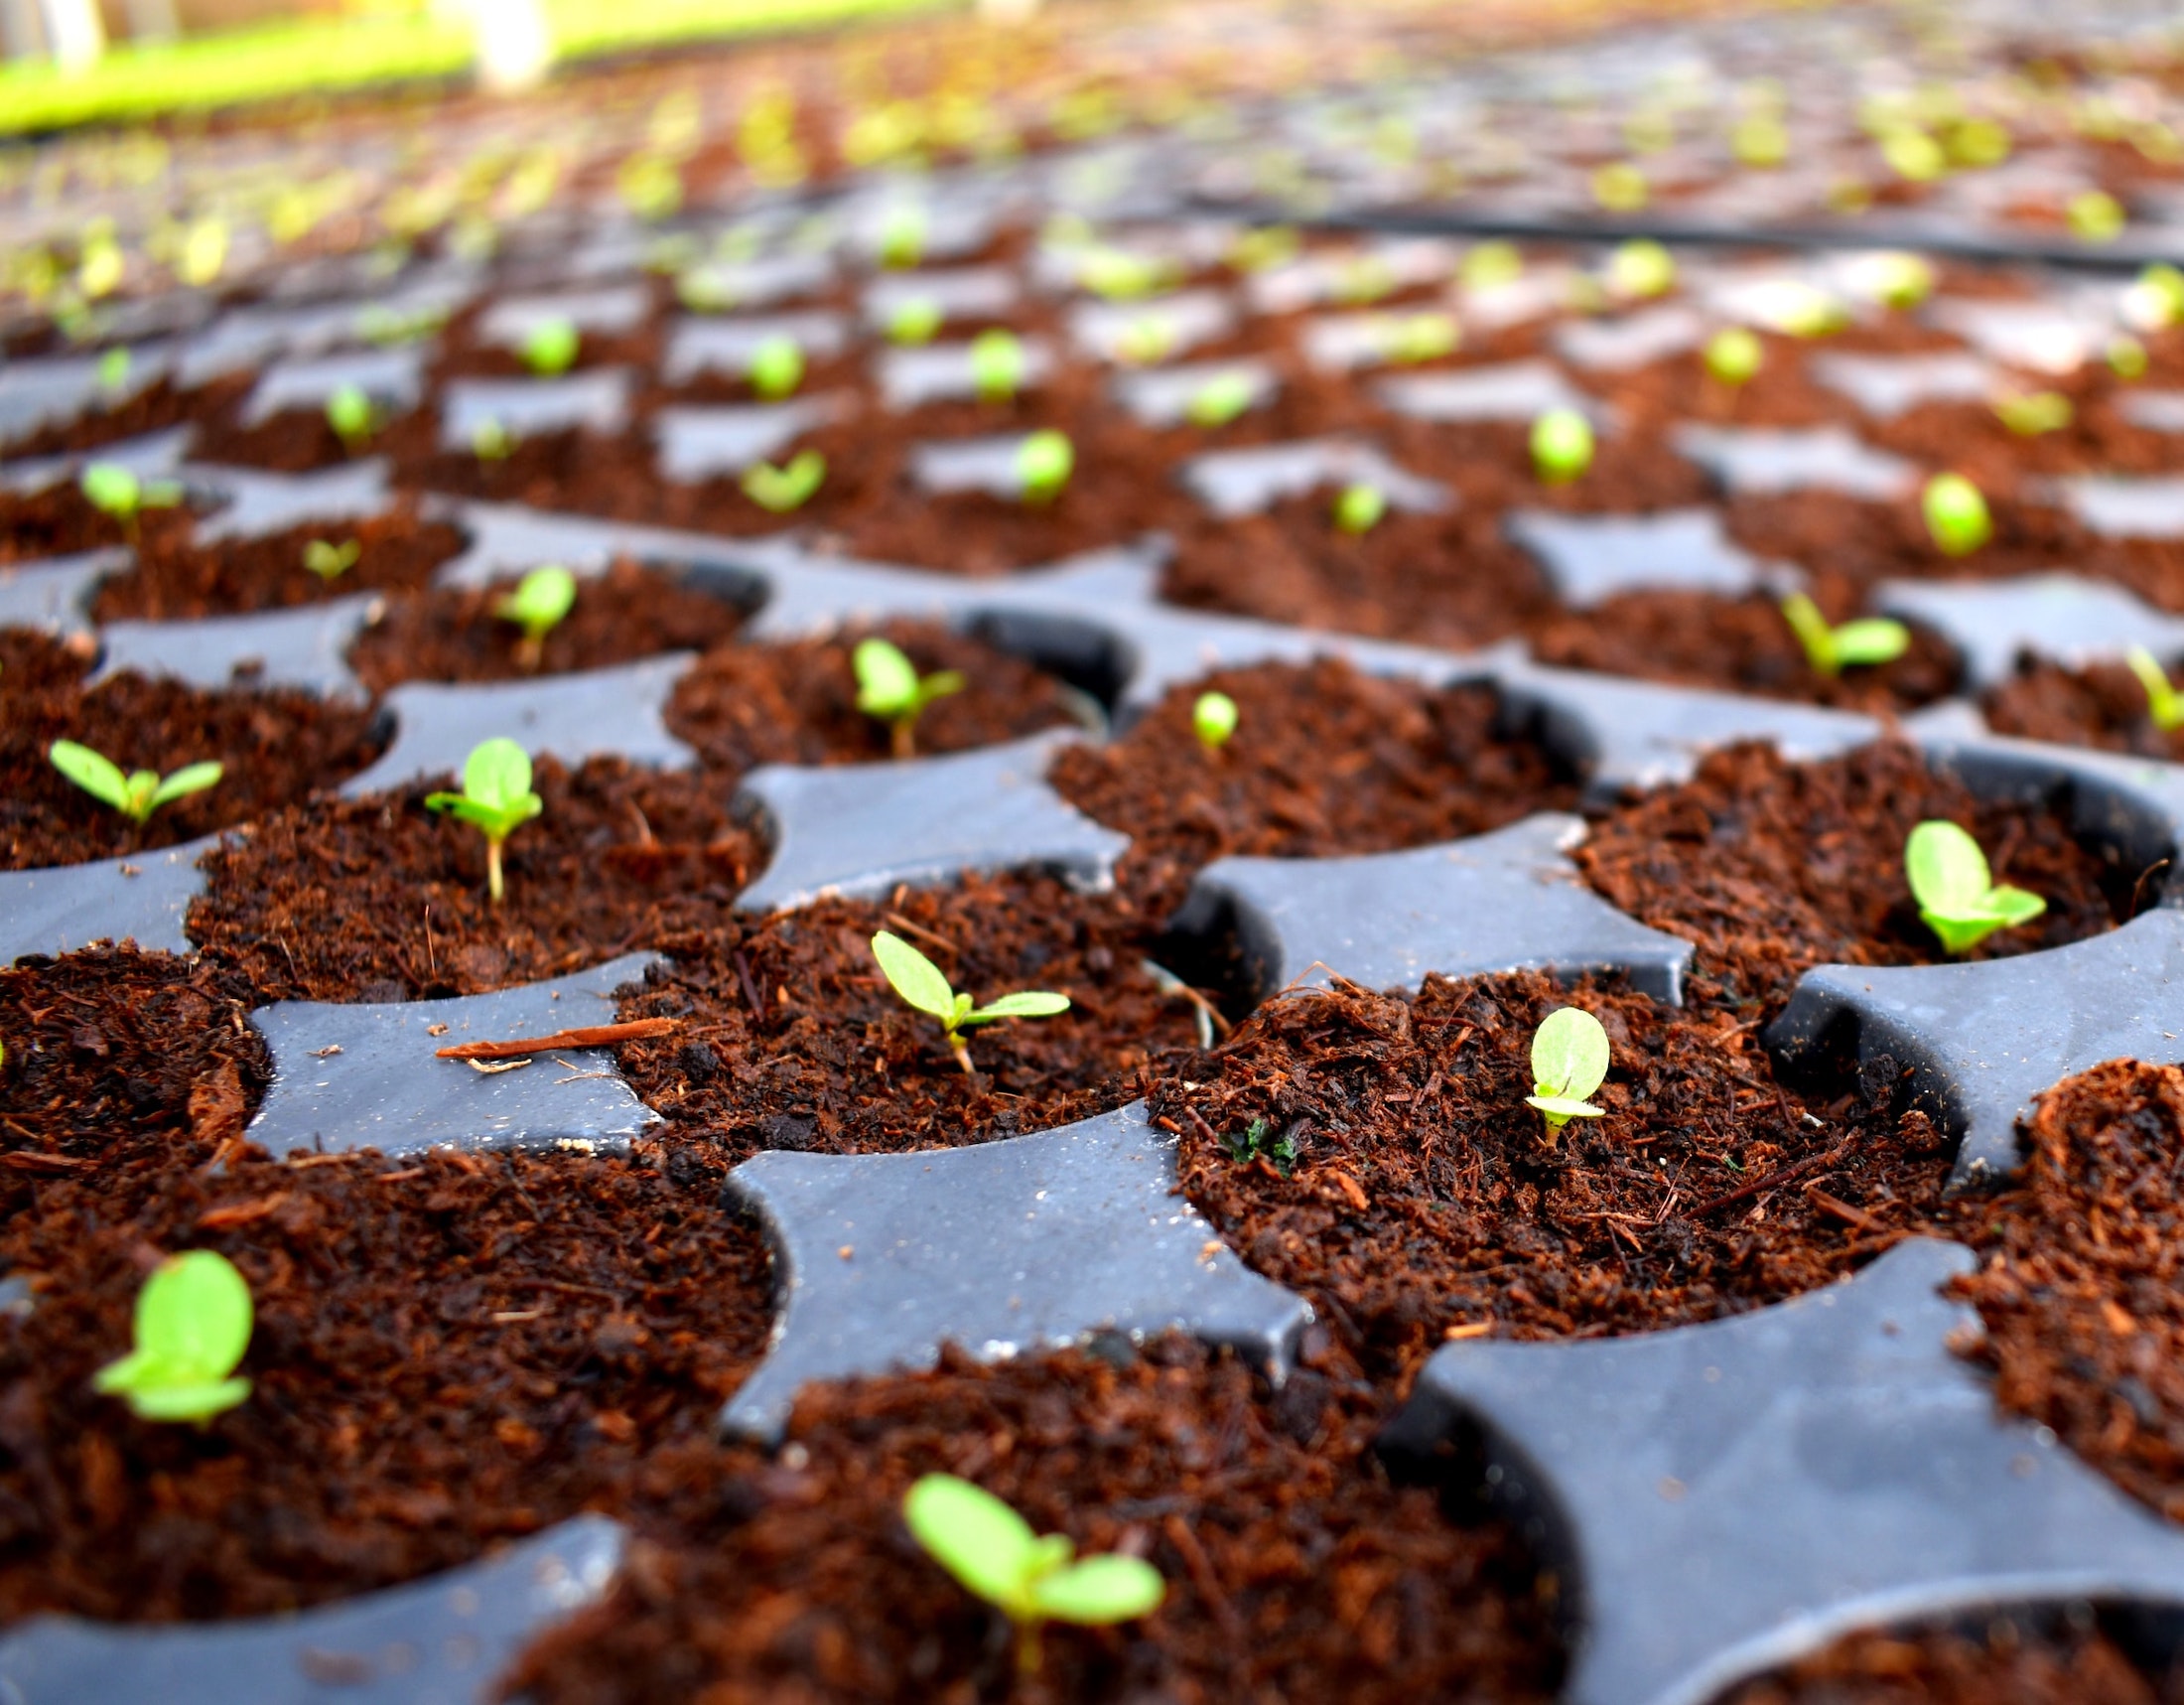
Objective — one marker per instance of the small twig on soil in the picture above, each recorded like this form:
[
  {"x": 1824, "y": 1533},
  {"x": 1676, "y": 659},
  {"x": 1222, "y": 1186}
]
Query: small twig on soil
[
  {"x": 1776, "y": 1179},
  {"x": 750, "y": 986},
  {"x": 585, "y": 1035},
  {"x": 908, "y": 927}
]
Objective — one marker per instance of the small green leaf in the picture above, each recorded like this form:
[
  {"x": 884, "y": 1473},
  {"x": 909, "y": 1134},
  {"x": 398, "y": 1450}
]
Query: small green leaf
[
  {"x": 886, "y": 680},
  {"x": 1409, "y": 338},
  {"x": 189, "y": 778},
  {"x": 332, "y": 561},
  {"x": 1359, "y": 507},
  {"x": 539, "y": 602},
  {"x": 497, "y": 774},
  {"x": 914, "y": 321},
  {"x": 1026, "y": 1003},
  {"x": 1734, "y": 355},
  {"x": 1955, "y": 515},
  {"x": 781, "y": 490},
  {"x": 1561, "y": 1108},
  {"x": 349, "y": 412},
  {"x": 977, "y": 1538},
  {"x": 97, "y": 775},
  {"x": 1562, "y": 446},
  {"x": 941, "y": 684},
  {"x": 1641, "y": 268},
  {"x": 997, "y": 364},
  {"x": 551, "y": 346},
  {"x": 2164, "y": 704},
  {"x": 915, "y": 978},
  {"x": 776, "y": 367},
  {"x": 1220, "y": 400},
  {"x": 1569, "y": 1054},
  {"x": 491, "y": 440},
  {"x": 1947, "y": 870},
  {"x": 193, "y": 1325},
  {"x": 1213, "y": 719},
  {"x": 1044, "y": 462},
  {"x": 1872, "y": 640},
  {"x": 113, "y": 488},
  {"x": 1100, "y": 1590}
]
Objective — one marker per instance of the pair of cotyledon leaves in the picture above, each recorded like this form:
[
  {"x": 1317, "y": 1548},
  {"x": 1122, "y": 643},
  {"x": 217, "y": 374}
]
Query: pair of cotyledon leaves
[
  {"x": 193, "y": 1325},
  {"x": 1032, "y": 1577}
]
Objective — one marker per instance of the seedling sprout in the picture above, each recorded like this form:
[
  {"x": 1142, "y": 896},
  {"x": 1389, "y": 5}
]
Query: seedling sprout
[
  {"x": 116, "y": 491},
  {"x": 903, "y": 237},
  {"x": 331, "y": 561},
  {"x": 997, "y": 364},
  {"x": 2127, "y": 357},
  {"x": 2095, "y": 216},
  {"x": 2164, "y": 704},
  {"x": 776, "y": 367},
  {"x": 135, "y": 795},
  {"x": 2030, "y": 413},
  {"x": 1358, "y": 507},
  {"x": 1044, "y": 462},
  {"x": 1146, "y": 338},
  {"x": 915, "y": 321},
  {"x": 550, "y": 346},
  {"x": 1620, "y": 188},
  {"x": 921, "y": 985},
  {"x": 1213, "y": 719},
  {"x": 113, "y": 370},
  {"x": 496, "y": 797},
  {"x": 1959, "y": 899},
  {"x": 1562, "y": 446},
  {"x": 780, "y": 490},
  {"x": 889, "y": 688},
  {"x": 1734, "y": 355},
  {"x": 1640, "y": 269},
  {"x": 491, "y": 440},
  {"x": 1569, "y": 1059},
  {"x": 1220, "y": 400},
  {"x": 1955, "y": 515},
  {"x": 1032, "y": 1579},
  {"x": 537, "y": 604},
  {"x": 349, "y": 412},
  {"x": 191, "y": 1327},
  {"x": 1831, "y": 649},
  {"x": 1409, "y": 338},
  {"x": 1492, "y": 264}
]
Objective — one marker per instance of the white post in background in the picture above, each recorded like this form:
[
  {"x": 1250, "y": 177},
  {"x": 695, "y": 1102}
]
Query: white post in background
[
  {"x": 22, "y": 30},
  {"x": 515, "y": 46},
  {"x": 74, "y": 29}
]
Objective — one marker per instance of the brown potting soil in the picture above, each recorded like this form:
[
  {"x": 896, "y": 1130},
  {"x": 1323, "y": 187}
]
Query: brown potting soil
[
  {"x": 178, "y": 579},
  {"x": 276, "y": 747},
  {"x": 583, "y": 1321},
  {"x": 155, "y": 408},
  {"x": 60, "y": 522},
  {"x": 1324, "y": 761},
  {"x": 2004, "y": 1665},
  {"x": 628, "y": 613},
  {"x": 1770, "y": 867},
  {"x": 1293, "y": 1568},
  {"x": 2100, "y": 705},
  {"x": 1735, "y": 645}
]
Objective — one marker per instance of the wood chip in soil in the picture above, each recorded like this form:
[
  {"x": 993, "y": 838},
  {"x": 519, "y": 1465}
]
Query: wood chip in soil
[
  {"x": 1294, "y": 1568},
  {"x": 1325, "y": 761},
  {"x": 277, "y": 747},
  {"x": 178, "y": 579},
  {"x": 628, "y": 613}
]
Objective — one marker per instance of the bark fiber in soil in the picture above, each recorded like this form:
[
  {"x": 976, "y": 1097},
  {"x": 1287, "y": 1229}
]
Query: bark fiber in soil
[{"x": 2004, "y": 1665}]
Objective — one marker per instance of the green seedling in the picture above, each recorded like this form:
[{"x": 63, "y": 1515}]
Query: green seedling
[
  {"x": 1979, "y": 142},
  {"x": 1491, "y": 265},
  {"x": 1959, "y": 899},
  {"x": 135, "y": 795},
  {"x": 997, "y": 364},
  {"x": 1912, "y": 155},
  {"x": 491, "y": 440},
  {"x": 115, "y": 490},
  {"x": 903, "y": 237},
  {"x": 1734, "y": 355},
  {"x": 496, "y": 798},
  {"x": 193, "y": 1325},
  {"x": 1220, "y": 400},
  {"x": 921, "y": 984},
  {"x": 1562, "y": 446},
  {"x": 113, "y": 370},
  {"x": 1409, "y": 338},
  {"x": 781, "y": 490},
  {"x": 1213, "y": 719},
  {"x": 890, "y": 690},
  {"x": 331, "y": 561},
  {"x": 1255, "y": 1142},
  {"x": 1032, "y": 1579},
  {"x": 1118, "y": 275},
  {"x": 1358, "y": 507},
  {"x": 914, "y": 321},
  {"x": 1620, "y": 188},
  {"x": 2094, "y": 215},
  {"x": 1266, "y": 246},
  {"x": 537, "y": 604},
  {"x": 1569, "y": 1058},
  {"x": 1147, "y": 339},
  {"x": 1044, "y": 462},
  {"x": 2157, "y": 298},
  {"x": 551, "y": 346},
  {"x": 2164, "y": 704},
  {"x": 2030, "y": 413},
  {"x": 1761, "y": 140},
  {"x": 1640, "y": 269},
  {"x": 1955, "y": 515},
  {"x": 1829, "y": 649},
  {"x": 1894, "y": 279},
  {"x": 352, "y": 416},
  {"x": 776, "y": 367},
  {"x": 2127, "y": 356}
]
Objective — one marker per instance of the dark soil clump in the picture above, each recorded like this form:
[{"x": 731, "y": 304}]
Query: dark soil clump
[
  {"x": 1324, "y": 761},
  {"x": 176, "y": 579},
  {"x": 277, "y": 747},
  {"x": 626, "y": 613},
  {"x": 1771, "y": 867},
  {"x": 1295, "y": 1569}
]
